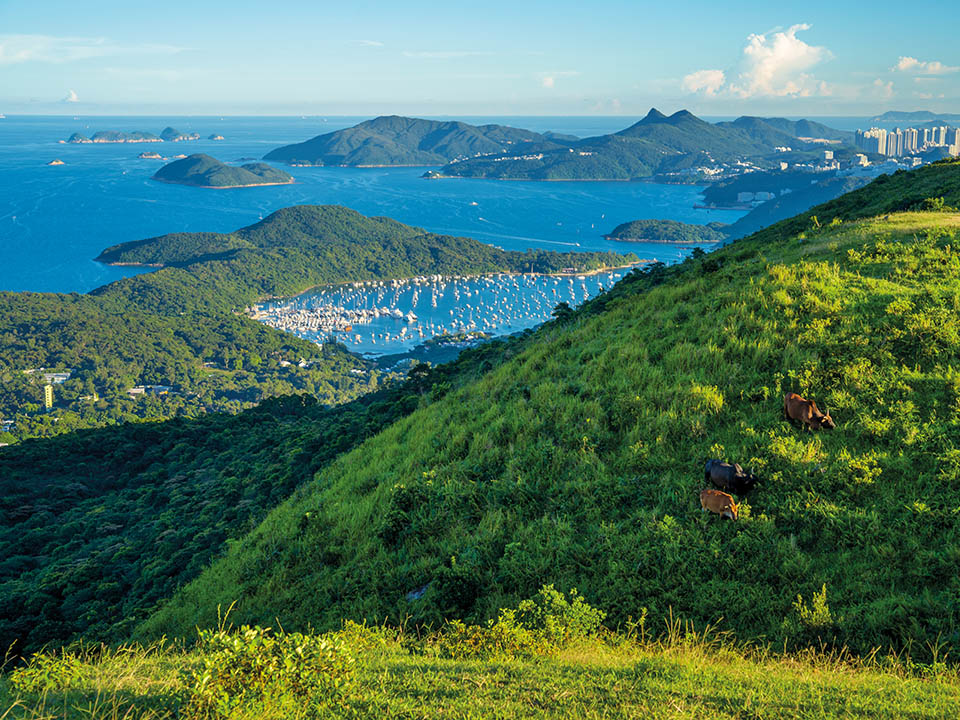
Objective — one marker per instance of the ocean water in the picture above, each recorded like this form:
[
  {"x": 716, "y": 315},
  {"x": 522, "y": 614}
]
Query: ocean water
[{"x": 54, "y": 220}]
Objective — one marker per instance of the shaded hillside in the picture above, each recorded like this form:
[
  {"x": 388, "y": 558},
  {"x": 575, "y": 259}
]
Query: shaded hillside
[
  {"x": 204, "y": 171},
  {"x": 578, "y": 462},
  {"x": 395, "y": 140},
  {"x": 98, "y": 526}
]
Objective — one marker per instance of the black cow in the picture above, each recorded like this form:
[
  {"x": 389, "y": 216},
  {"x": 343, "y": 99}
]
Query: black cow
[{"x": 729, "y": 477}]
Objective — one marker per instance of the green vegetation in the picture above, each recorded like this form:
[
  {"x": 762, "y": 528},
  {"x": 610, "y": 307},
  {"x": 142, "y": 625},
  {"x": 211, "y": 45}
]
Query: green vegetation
[
  {"x": 204, "y": 171},
  {"x": 579, "y": 460},
  {"x": 657, "y": 145},
  {"x": 668, "y": 231},
  {"x": 181, "y": 326},
  {"x": 508, "y": 669},
  {"x": 398, "y": 140},
  {"x": 98, "y": 526}
]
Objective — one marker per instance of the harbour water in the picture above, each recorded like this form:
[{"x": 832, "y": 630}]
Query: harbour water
[{"x": 378, "y": 318}]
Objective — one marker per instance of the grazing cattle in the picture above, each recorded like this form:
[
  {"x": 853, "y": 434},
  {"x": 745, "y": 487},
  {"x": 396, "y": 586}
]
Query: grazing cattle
[
  {"x": 719, "y": 503},
  {"x": 806, "y": 412},
  {"x": 729, "y": 477}
]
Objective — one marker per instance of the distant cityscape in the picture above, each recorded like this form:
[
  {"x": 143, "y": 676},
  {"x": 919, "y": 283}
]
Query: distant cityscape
[{"x": 909, "y": 141}]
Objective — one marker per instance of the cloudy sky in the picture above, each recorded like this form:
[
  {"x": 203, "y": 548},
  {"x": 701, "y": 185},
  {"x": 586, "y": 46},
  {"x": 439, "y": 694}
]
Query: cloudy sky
[{"x": 606, "y": 57}]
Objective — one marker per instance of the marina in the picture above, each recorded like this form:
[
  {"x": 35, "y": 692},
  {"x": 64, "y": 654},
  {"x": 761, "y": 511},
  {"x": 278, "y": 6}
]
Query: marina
[{"x": 395, "y": 316}]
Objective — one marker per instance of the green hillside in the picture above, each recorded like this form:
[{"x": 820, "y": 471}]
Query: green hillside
[
  {"x": 395, "y": 140},
  {"x": 98, "y": 526},
  {"x": 204, "y": 171},
  {"x": 578, "y": 461}
]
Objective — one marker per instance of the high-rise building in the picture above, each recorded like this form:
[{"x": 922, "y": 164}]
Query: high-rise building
[
  {"x": 48, "y": 396},
  {"x": 873, "y": 140},
  {"x": 894, "y": 143},
  {"x": 910, "y": 138}
]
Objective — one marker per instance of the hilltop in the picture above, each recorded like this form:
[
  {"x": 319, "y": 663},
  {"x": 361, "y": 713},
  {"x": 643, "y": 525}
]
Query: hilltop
[
  {"x": 577, "y": 461},
  {"x": 204, "y": 171},
  {"x": 669, "y": 147},
  {"x": 396, "y": 140}
]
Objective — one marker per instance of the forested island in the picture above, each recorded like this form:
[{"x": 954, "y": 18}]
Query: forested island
[
  {"x": 175, "y": 341},
  {"x": 668, "y": 231},
  {"x": 207, "y": 172}
]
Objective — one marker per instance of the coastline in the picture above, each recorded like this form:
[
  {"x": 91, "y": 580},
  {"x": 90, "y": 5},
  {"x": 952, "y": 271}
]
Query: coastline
[{"x": 222, "y": 187}]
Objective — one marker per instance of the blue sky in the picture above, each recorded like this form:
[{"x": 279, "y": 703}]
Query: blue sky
[{"x": 606, "y": 57}]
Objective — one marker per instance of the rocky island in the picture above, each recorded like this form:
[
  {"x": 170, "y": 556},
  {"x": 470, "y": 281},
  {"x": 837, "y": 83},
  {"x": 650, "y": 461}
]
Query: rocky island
[
  {"x": 204, "y": 171},
  {"x": 114, "y": 136},
  {"x": 170, "y": 134}
]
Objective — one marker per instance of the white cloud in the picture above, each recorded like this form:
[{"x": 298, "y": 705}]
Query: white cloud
[
  {"x": 549, "y": 79},
  {"x": 708, "y": 82},
  {"x": 912, "y": 65},
  {"x": 370, "y": 43},
  {"x": 884, "y": 89},
  {"x": 443, "y": 54},
  {"x": 71, "y": 97},
  {"x": 773, "y": 64},
  {"x": 47, "y": 48}
]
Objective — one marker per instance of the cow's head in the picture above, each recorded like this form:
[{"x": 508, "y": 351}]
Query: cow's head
[
  {"x": 824, "y": 421},
  {"x": 732, "y": 511}
]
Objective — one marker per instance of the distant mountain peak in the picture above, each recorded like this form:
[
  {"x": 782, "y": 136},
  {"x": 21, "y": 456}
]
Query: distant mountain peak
[{"x": 654, "y": 116}]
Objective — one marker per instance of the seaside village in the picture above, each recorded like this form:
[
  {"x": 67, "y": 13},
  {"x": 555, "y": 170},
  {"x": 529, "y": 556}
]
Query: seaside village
[{"x": 386, "y": 316}]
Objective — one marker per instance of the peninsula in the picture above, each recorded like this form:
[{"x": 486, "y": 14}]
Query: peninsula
[
  {"x": 207, "y": 172},
  {"x": 676, "y": 148}
]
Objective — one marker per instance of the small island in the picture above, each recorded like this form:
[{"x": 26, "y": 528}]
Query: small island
[
  {"x": 215, "y": 136},
  {"x": 58, "y": 161},
  {"x": 170, "y": 134},
  {"x": 150, "y": 156},
  {"x": 207, "y": 172},
  {"x": 667, "y": 231},
  {"x": 114, "y": 136}
]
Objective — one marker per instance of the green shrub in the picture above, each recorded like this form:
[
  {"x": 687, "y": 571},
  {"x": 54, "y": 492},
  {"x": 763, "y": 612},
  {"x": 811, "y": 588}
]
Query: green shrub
[
  {"x": 813, "y": 623},
  {"x": 257, "y": 671},
  {"x": 558, "y": 619},
  {"x": 47, "y": 672}
]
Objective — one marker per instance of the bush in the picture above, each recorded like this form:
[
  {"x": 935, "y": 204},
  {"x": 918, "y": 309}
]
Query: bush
[
  {"x": 256, "y": 671},
  {"x": 47, "y": 672},
  {"x": 558, "y": 619}
]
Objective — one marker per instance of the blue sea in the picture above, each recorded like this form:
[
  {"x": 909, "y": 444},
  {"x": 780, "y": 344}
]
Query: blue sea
[{"x": 54, "y": 220}]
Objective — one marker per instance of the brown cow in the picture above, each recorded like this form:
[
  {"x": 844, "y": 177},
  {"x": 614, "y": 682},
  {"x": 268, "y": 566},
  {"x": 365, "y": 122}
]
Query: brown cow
[
  {"x": 806, "y": 412},
  {"x": 719, "y": 503}
]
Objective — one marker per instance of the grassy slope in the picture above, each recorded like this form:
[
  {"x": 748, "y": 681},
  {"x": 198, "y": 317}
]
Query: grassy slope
[
  {"x": 590, "y": 680},
  {"x": 579, "y": 461}
]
